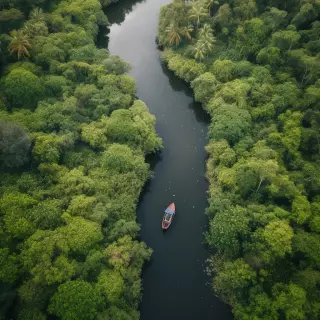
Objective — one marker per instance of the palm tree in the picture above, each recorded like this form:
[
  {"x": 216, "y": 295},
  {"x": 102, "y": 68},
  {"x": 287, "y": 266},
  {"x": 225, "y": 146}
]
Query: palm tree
[
  {"x": 19, "y": 44},
  {"x": 173, "y": 34},
  {"x": 186, "y": 30},
  {"x": 209, "y": 4},
  {"x": 37, "y": 15},
  {"x": 207, "y": 37},
  {"x": 35, "y": 29},
  {"x": 208, "y": 45},
  {"x": 198, "y": 12},
  {"x": 199, "y": 51},
  {"x": 206, "y": 31}
]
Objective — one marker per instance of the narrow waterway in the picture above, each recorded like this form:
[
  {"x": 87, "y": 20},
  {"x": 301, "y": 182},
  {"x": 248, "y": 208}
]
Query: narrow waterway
[{"x": 174, "y": 282}]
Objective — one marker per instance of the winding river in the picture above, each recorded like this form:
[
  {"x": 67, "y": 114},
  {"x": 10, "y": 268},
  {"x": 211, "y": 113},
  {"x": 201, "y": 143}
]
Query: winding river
[{"x": 175, "y": 285}]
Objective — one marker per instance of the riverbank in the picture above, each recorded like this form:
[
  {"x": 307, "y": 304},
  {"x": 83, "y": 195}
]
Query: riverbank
[
  {"x": 249, "y": 66},
  {"x": 73, "y": 142},
  {"x": 174, "y": 281}
]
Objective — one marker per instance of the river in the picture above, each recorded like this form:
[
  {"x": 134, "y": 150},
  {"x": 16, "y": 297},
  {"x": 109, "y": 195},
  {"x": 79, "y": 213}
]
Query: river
[{"x": 175, "y": 285}]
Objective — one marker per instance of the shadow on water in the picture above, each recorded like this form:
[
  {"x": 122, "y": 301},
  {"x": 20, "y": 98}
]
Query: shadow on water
[
  {"x": 178, "y": 85},
  {"x": 102, "y": 40},
  {"x": 175, "y": 83},
  {"x": 199, "y": 113},
  {"x": 119, "y": 12},
  {"x": 152, "y": 159},
  {"x": 121, "y": 9}
]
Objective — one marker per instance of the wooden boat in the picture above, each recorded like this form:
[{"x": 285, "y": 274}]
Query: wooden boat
[{"x": 168, "y": 216}]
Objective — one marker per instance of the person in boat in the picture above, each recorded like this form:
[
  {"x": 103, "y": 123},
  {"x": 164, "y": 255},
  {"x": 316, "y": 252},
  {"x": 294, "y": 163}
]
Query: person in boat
[{"x": 167, "y": 217}]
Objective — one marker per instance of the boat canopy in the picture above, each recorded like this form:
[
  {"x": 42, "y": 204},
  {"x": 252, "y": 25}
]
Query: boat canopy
[{"x": 169, "y": 211}]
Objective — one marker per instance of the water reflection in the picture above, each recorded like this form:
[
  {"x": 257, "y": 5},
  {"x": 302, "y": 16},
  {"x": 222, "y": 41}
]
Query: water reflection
[
  {"x": 102, "y": 41},
  {"x": 178, "y": 85},
  {"x": 199, "y": 113},
  {"x": 116, "y": 14},
  {"x": 175, "y": 83},
  {"x": 121, "y": 9}
]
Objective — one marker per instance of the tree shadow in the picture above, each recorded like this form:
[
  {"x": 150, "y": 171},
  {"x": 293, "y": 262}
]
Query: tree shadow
[
  {"x": 116, "y": 14},
  {"x": 179, "y": 85},
  {"x": 176, "y": 83},
  {"x": 152, "y": 159}
]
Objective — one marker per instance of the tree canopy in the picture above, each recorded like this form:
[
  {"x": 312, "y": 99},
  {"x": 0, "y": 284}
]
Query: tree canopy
[
  {"x": 73, "y": 141},
  {"x": 259, "y": 84}
]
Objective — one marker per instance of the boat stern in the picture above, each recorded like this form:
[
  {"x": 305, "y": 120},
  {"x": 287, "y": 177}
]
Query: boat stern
[{"x": 165, "y": 225}]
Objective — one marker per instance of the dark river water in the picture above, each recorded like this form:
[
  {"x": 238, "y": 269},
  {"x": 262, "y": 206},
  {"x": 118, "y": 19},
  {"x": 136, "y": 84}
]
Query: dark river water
[{"x": 174, "y": 282}]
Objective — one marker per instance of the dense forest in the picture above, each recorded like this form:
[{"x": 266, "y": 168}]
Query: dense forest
[
  {"x": 255, "y": 67},
  {"x": 73, "y": 140}
]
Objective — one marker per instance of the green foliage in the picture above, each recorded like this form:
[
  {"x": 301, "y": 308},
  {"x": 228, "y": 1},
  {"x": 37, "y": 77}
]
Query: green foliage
[
  {"x": 204, "y": 87},
  {"x": 197, "y": 12},
  {"x": 117, "y": 314},
  {"x": 231, "y": 123},
  {"x": 14, "y": 145},
  {"x": 307, "y": 67},
  {"x": 46, "y": 148},
  {"x": 30, "y": 314},
  {"x": 22, "y": 88},
  {"x": 47, "y": 214},
  {"x": 81, "y": 235},
  {"x": 222, "y": 69},
  {"x": 270, "y": 56},
  {"x": 73, "y": 140},
  {"x": 205, "y": 43},
  {"x": 227, "y": 229},
  {"x": 122, "y": 228},
  {"x": 174, "y": 36},
  {"x": 9, "y": 266},
  {"x": 301, "y": 209},
  {"x": 242, "y": 69},
  {"x": 114, "y": 65},
  {"x": 251, "y": 36},
  {"x": 223, "y": 17},
  {"x": 55, "y": 85},
  {"x": 110, "y": 285},
  {"x": 308, "y": 244},
  {"x": 285, "y": 40},
  {"x": 10, "y": 19},
  {"x": 244, "y": 9},
  {"x": 232, "y": 278},
  {"x": 186, "y": 69},
  {"x": 278, "y": 235},
  {"x": 25, "y": 65},
  {"x": 262, "y": 94},
  {"x": 307, "y": 14},
  {"x": 75, "y": 300},
  {"x": 19, "y": 44},
  {"x": 121, "y": 159},
  {"x": 260, "y": 307},
  {"x": 275, "y": 18},
  {"x": 125, "y": 252},
  {"x": 290, "y": 299}
]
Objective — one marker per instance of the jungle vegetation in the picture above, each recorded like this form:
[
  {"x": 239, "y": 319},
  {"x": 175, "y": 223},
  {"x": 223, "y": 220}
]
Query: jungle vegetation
[
  {"x": 73, "y": 140},
  {"x": 255, "y": 66}
]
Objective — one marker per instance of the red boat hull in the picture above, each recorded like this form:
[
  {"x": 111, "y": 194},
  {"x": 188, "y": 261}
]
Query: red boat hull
[{"x": 167, "y": 223}]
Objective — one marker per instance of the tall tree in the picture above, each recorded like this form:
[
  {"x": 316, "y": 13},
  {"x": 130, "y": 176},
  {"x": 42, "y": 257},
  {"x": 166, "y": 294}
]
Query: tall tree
[
  {"x": 173, "y": 33},
  {"x": 197, "y": 13},
  {"x": 19, "y": 44}
]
